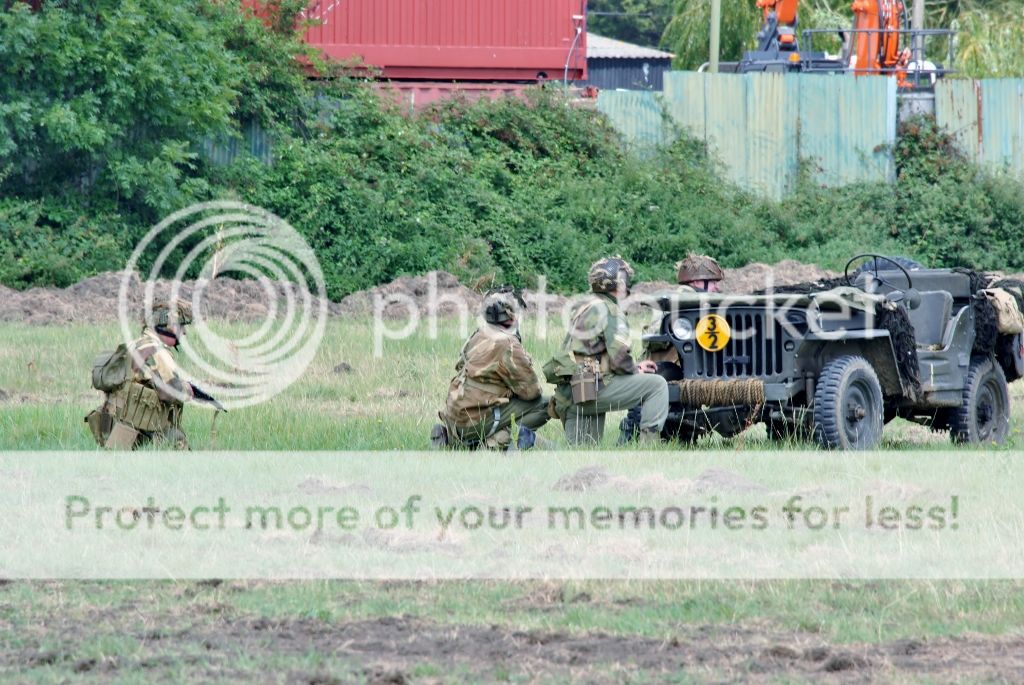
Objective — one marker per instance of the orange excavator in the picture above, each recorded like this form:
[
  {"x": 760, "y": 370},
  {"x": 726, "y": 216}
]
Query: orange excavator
[
  {"x": 874, "y": 48},
  {"x": 876, "y": 26}
]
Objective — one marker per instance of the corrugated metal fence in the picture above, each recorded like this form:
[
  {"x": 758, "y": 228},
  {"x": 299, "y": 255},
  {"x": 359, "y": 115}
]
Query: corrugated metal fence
[
  {"x": 763, "y": 126},
  {"x": 987, "y": 118}
]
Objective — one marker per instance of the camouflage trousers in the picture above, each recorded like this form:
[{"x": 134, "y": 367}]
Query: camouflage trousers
[
  {"x": 584, "y": 423},
  {"x": 495, "y": 432}
]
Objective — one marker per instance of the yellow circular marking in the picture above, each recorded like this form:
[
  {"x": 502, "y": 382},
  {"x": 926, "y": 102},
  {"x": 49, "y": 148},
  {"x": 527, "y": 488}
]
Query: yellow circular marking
[{"x": 713, "y": 332}]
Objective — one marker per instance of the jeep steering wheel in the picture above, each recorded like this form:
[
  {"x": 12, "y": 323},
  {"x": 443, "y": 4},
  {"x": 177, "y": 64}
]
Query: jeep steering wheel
[{"x": 876, "y": 257}]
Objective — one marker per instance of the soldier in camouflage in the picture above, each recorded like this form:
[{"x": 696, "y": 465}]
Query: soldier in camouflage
[
  {"x": 147, "y": 406},
  {"x": 599, "y": 337},
  {"x": 695, "y": 274},
  {"x": 495, "y": 385}
]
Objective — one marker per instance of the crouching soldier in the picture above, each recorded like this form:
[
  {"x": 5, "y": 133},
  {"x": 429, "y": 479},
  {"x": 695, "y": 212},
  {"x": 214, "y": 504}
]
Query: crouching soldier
[
  {"x": 495, "y": 386},
  {"x": 594, "y": 371},
  {"x": 144, "y": 393}
]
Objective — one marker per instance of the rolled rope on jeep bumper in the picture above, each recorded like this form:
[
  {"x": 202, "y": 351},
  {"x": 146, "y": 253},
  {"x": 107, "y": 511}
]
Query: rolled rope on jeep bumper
[{"x": 716, "y": 393}]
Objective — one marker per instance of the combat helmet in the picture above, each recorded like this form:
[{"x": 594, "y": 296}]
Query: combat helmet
[
  {"x": 698, "y": 268},
  {"x": 501, "y": 305},
  {"x": 165, "y": 314},
  {"x": 606, "y": 273}
]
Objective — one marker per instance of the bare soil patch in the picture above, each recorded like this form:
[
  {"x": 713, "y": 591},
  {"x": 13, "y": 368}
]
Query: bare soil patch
[
  {"x": 396, "y": 650},
  {"x": 94, "y": 300}
]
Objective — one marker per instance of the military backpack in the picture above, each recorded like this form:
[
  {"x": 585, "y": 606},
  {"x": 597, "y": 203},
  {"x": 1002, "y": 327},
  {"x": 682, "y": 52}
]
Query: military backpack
[{"x": 110, "y": 370}]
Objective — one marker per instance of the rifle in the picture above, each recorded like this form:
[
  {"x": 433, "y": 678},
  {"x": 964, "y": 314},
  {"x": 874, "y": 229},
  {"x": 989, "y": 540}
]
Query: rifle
[{"x": 203, "y": 396}]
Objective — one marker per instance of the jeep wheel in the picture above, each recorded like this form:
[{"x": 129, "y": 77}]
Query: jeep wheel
[
  {"x": 848, "y": 405},
  {"x": 984, "y": 416}
]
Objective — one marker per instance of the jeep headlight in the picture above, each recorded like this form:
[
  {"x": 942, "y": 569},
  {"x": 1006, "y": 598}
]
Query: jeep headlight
[{"x": 682, "y": 329}]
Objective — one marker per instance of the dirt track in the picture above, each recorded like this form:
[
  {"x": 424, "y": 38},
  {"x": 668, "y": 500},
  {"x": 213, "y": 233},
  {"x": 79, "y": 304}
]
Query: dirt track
[{"x": 209, "y": 641}]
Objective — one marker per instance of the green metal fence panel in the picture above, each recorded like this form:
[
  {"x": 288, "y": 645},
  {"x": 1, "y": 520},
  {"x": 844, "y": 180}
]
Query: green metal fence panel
[
  {"x": 1002, "y": 124},
  {"x": 762, "y": 125},
  {"x": 847, "y": 127},
  {"x": 683, "y": 95},
  {"x": 987, "y": 119},
  {"x": 637, "y": 115},
  {"x": 958, "y": 106},
  {"x": 224, "y": 150}
]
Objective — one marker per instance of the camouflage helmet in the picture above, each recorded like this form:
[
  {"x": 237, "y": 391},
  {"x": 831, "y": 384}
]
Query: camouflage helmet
[
  {"x": 164, "y": 314},
  {"x": 501, "y": 305},
  {"x": 698, "y": 268},
  {"x": 606, "y": 273}
]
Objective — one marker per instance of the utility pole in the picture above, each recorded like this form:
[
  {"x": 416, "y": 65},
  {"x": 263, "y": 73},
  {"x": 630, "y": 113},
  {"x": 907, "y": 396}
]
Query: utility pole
[
  {"x": 716, "y": 21},
  {"x": 917, "y": 22}
]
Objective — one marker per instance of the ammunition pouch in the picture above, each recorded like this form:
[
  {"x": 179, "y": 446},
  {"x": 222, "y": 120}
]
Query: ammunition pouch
[
  {"x": 100, "y": 424},
  {"x": 140, "y": 407},
  {"x": 586, "y": 382}
]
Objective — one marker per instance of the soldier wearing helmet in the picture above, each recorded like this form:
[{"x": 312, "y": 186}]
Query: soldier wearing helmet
[
  {"x": 696, "y": 273},
  {"x": 495, "y": 385},
  {"x": 594, "y": 371},
  {"x": 144, "y": 392},
  {"x": 700, "y": 272}
]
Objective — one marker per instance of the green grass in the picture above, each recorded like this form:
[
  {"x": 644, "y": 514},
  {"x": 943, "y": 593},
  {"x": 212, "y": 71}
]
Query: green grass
[
  {"x": 383, "y": 403},
  {"x": 390, "y": 403}
]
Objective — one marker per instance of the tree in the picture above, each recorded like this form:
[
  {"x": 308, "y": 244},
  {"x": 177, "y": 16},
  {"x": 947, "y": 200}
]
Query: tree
[{"x": 635, "y": 21}]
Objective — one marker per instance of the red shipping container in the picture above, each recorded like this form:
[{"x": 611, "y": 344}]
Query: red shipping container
[{"x": 456, "y": 40}]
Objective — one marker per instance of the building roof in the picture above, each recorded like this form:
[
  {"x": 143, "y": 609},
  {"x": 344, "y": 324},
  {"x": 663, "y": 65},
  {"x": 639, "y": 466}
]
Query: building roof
[{"x": 600, "y": 47}]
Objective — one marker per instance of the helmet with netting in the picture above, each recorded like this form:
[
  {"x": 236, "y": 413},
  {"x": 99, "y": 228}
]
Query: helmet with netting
[
  {"x": 165, "y": 314},
  {"x": 501, "y": 305},
  {"x": 606, "y": 274}
]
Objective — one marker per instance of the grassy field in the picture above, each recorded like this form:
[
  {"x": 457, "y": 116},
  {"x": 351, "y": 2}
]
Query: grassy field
[{"x": 346, "y": 631}]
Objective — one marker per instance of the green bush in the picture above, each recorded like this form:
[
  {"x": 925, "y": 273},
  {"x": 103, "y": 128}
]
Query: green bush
[{"x": 101, "y": 112}]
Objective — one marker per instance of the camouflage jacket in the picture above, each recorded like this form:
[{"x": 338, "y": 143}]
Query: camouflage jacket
[
  {"x": 492, "y": 368},
  {"x": 598, "y": 329},
  {"x": 157, "y": 362}
]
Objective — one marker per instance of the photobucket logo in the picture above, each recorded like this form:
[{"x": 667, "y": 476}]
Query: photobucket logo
[{"x": 221, "y": 238}]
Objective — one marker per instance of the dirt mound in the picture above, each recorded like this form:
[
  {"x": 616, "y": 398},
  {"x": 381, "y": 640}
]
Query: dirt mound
[
  {"x": 94, "y": 300},
  {"x": 397, "y": 298}
]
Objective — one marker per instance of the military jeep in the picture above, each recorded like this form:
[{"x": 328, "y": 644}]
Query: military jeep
[{"x": 833, "y": 361}]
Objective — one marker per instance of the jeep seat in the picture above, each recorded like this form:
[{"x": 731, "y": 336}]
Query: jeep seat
[{"x": 930, "y": 318}]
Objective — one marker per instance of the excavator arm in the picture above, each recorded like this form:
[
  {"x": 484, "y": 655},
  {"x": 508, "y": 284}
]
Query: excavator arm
[
  {"x": 779, "y": 29},
  {"x": 877, "y": 39}
]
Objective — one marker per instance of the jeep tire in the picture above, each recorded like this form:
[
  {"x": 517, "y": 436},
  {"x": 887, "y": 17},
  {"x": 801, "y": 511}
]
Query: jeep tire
[
  {"x": 984, "y": 415},
  {"x": 848, "y": 408}
]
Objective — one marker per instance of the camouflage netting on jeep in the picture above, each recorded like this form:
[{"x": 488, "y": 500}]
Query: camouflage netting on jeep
[
  {"x": 979, "y": 279},
  {"x": 904, "y": 344},
  {"x": 986, "y": 325},
  {"x": 805, "y": 288}
]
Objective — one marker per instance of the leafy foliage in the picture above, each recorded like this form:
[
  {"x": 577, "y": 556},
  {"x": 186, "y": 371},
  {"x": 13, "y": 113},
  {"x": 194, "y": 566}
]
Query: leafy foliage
[
  {"x": 101, "y": 112},
  {"x": 635, "y": 21}
]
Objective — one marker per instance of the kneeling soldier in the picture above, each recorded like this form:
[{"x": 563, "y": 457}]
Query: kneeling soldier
[
  {"x": 144, "y": 393},
  {"x": 595, "y": 372},
  {"x": 495, "y": 385}
]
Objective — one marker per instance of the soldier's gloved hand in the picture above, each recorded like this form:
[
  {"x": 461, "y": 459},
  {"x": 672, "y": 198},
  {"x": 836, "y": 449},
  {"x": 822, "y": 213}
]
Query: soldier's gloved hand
[{"x": 647, "y": 366}]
